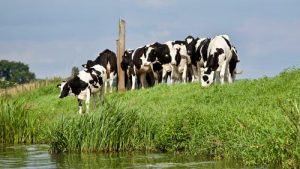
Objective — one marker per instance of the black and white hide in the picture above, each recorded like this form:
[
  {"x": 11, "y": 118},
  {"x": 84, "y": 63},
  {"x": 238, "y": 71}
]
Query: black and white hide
[
  {"x": 87, "y": 83},
  {"x": 161, "y": 59},
  {"x": 141, "y": 67},
  {"x": 216, "y": 68},
  {"x": 197, "y": 49},
  {"x": 108, "y": 60},
  {"x": 180, "y": 60},
  {"x": 233, "y": 63},
  {"x": 127, "y": 66}
]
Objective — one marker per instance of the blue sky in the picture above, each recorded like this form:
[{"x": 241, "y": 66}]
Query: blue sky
[{"x": 55, "y": 35}]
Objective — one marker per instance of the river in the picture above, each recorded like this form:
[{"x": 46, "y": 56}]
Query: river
[{"x": 37, "y": 156}]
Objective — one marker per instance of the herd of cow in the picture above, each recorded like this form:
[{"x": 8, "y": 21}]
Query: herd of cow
[{"x": 207, "y": 60}]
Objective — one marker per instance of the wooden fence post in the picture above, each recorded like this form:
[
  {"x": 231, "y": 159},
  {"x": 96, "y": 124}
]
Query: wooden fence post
[{"x": 120, "y": 52}]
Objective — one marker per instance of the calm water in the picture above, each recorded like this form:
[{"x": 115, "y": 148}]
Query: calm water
[{"x": 37, "y": 156}]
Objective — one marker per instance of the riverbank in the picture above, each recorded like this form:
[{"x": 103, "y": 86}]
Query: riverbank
[{"x": 252, "y": 121}]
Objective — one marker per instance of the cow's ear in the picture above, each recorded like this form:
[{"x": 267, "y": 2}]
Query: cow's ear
[
  {"x": 84, "y": 65},
  {"x": 58, "y": 85}
]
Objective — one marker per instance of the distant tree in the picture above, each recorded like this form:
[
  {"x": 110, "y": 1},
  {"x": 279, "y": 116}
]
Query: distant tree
[
  {"x": 75, "y": 71},
  {"x": 15, "y": 72}
]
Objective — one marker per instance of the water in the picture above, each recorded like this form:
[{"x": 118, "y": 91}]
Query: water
[{"x": 37, "y": 156}]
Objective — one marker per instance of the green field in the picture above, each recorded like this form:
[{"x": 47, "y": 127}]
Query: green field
[{"x": 256, "y": 122}]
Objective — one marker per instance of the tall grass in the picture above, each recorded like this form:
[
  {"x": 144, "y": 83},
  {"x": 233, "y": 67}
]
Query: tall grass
[
  {"x": 17, "y": 123},
  {"x": 110, "y": 130}
]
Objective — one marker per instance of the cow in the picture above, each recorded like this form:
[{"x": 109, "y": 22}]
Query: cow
[
  {"x": 173, "y": 57},
  {"x": 197, "y": 49},
  {"x": 134, "y": 68},
  {"x": 88, "y": 83},
  {"x": 216, "y": 68},
  {"x": 108, "y": 60},
  {"x": 127, "y": 67},
  {"x": 161, "y": 59},
  {"x": 142, "y": 68},
  {"x": 179, "y": 60}
]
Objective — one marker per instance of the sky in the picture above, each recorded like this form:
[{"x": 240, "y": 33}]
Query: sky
[{"x": 52, "y": 36}]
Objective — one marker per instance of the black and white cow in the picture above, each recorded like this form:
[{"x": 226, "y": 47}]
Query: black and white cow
[
  {"x": 87, "y": 83},
  {"x": 137, "y": 70},
  {"x": 173, "y": 57},
  {"x": 141, "y": 67},
  {"x": 217, "y": 66},
  {"x": 127, "y": 66},
  {"x": 161, "y": 59},
  {"x": 108, "y": 60},
  {"x": 197, "y": 49},
  {"x": 180, "y": 60}
]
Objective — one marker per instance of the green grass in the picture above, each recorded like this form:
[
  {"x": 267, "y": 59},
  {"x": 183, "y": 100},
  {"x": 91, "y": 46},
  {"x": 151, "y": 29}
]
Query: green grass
[{"x": 256, "y": 122}]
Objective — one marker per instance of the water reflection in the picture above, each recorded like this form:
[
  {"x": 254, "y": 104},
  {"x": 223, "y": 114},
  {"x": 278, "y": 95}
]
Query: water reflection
[
  {"x": 36, "y": 156},
  {"x": 25, "y": 156}
]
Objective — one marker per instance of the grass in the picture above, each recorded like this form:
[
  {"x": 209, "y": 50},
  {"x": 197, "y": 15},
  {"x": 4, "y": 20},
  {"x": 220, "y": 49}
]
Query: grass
[{"x": 256, "y": 122}]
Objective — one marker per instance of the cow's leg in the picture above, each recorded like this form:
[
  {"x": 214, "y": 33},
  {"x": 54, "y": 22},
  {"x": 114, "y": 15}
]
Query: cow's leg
[
  {"x": 80, "y": 106},
  {"x": 155, "y": 78},
  {"x": 101, "y": 95},
  {"x": 229, "y": 78},
  {"x": 184, "y": 73},
  {"x": 217, "y": 78},
  {"x": 199, "y": 74},
  {"x": 111, "y": 80},
  {"x": 172, "y": 77},
  {"x": 223, "y": 72},
  {"x": 87, "y": 101},
  {"x": 133, "y": 78},
  {"x": 164, "y": 76},
  {"x": 142, "y": 79},
  {"x": 194, "y": 73},
  {"x": 105, "y": 85}
]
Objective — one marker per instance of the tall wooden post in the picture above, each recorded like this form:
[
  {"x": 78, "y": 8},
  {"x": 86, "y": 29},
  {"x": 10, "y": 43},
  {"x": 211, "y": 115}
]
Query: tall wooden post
[{"x": 120, "y": 52}]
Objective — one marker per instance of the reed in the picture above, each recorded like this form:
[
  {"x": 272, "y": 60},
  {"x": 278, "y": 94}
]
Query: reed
[
  {"x": 109, "y": 130},
  {"x": 18, "y": 124}
]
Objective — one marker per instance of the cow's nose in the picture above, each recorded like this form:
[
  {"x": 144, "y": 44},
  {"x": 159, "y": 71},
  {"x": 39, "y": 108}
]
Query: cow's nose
[
  {"x": 173, "y": 63},
  {"x": 147, "y": 63}
]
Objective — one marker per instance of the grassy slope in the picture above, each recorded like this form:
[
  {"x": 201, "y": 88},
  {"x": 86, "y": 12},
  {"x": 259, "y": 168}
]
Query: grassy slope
[{"x": 245, "y": 120}]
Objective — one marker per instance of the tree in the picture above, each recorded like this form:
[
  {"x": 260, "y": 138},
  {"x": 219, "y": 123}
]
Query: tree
[
  {"x": 75, "y": 71},
  {"x": 15, "y": 72}
]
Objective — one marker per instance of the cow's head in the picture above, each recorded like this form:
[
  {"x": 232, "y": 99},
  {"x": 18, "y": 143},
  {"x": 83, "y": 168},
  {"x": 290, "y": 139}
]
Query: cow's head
[
  {"x": 65, "y": 89},
  {"x": 126, "y": 59},
  {"x": 234, "y": 54},
  {"x": 177, "y": 57},
  {"x": 190, "y": 43},
  {"x": 149, "y": 51},
  {"x": 207, "y": 77},
  {"x": 160, "y": 53},
  {"x": 88, "y": 64},
  {"x": 152, "y": 53}
]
